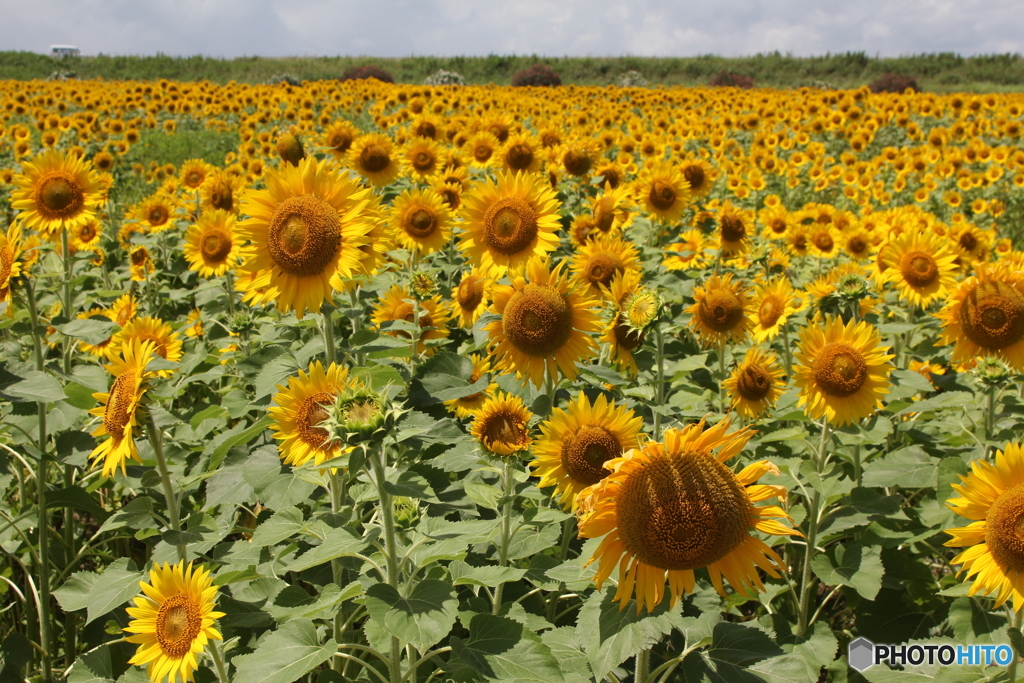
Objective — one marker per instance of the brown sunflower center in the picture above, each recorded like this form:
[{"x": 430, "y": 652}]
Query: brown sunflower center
[
  {"x": 6, "y": 266},
  {"x": 482, "y": 151},
  {"x": 157, "y": 215},
  {"x": 968, "y": 241},
  {"x": 919, "y": 269},
  {"x": 451, "y": 197},
  {"x": 340, "y": 141},
  {"x": 470, "y": 293},
  {"x": 602, "y": 268},
  {"x": 1004, "y": 529},
  {"x": 423, "y": 161},
  {"x": 538, "y": 320},
  {"x": 721, "y": 310},
  {"x": 733, "y": 229},
  {"x": 510, "y": 225},
  {"x": 118, "y": 414},
  {"x": 769, "y": 312},
  {"x": 992, "y": 316},
  {"x": 221, "y": 197},
  {"x": 694, "y": 175},
  {"x": 753, "y": 382},
  {"x": 627, "y": 337},
  {"x": 576, "y": 163},
  {"x": 59, "y": 196},
  {"x": 216, "y": 246},
  {"x": 421, "y": 223},
  {"x": 585, "y": 452},
  {"x": 374, "y": 159},
  {"x": 507, "y": 430},
  {"x": 662, "y": 195},
  {"x": 682, "y": 512},
  {"x": 612, "y": 177},
  {"x": 304, "y": 235},
  {"x": 777, "y": 226},
  {"x": 87, "y": 232},
  {"x": 519, "y": 157},
  {"x": 140, "y": 256},
  {"x": 840, "y": 370},
  {"x": 194, "y": 179},
  {"x": 425, "y": 129},
  {"x": 177, "y": 624},
  {"x": 823, "y": 241},
  {"x": 311, "y": 413}
]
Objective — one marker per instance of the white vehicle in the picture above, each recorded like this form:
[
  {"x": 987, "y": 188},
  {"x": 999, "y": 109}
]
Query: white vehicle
[{"x": 62, "y": 51}]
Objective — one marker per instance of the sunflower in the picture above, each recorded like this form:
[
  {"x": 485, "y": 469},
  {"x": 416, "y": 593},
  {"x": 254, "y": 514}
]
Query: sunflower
[
  {"x": 623, "y": 340},
  {"x": 300, "y": 407},
  {"x": 450, "y": 193},
  {"x": 776, "y": 220},
  {"x": 140, "y": 264},
  {"x": 673, "y": 507},
  {"x": 575, "y": 444},
  {"x": 166, "y": 342},
  {"x": 721, "y": 311},
  {"x": 843, "y": 371},
  {"x": 338, "y": 138},
  {"x": 173, "y": 621},
  {"x": 985, "y": 316},
  {"x": 482, "y": 148},
  {"x": 373, "y": 157},
  {"x": 193, "y": 173},
  {"x": 699, "y": 174},
  {"x": 470, "y": 406},
  {"x": 210, "y": 247},
  {"x": 578, "y": 157},
  {"x": 502, "y": 424},
  {"x": 86, "y": 236},
  {"x": 521, "y": 152},
  {"x": 422, "y": 158},
  {"x": 921, "y": 266},
  {"x": 194, "y": 324},
  {"x": 665, "y": 193},
  {"x": 688, "y": 253},
  {"x": 154, "y": 212},
  {"x": 471, "y": 297},
  {"x": 222, "y": 190},
  {"x": 56, "y": 190},
  {"x": 601, "y": 259},
  {"x": 421, "y": 221},
  {"x": 10, "y": 262},
  {"x": 397, "y": 304},
  {"x": 612, "y": 210},
  {"x": 823, "y": 240},
  {"x": 509, "y": 222},
  {"x": 755, "y": 384},
  {"x": 543, "y": 324},
  {"x": 774, "y": 301},
  {"x": 734, "y": 228},
  {"x": 121, "y": 406},
  {"x": 306, "y": 231}
]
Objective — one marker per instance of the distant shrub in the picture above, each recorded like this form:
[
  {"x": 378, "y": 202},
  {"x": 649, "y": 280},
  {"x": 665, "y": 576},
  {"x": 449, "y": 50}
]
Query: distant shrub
[
  {"x": 895, "y": 83},
  {"x": 278, "y": 79},
  {"x": 537, "y": 75},
  {"x": 443, "y": 77},
  {"x": 632, "y": 79},
  {"x": 731, "y": 80},
  {"x": 62, "y": 76},
  {"x": 360, "y": 73}
]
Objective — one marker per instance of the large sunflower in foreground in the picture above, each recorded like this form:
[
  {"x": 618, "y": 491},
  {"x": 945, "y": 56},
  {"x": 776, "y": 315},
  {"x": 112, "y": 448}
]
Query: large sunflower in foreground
[
  {"x": 921, "y": 266},
  {"x": 544, "y": 324},
  {"x": 56, "y": 190},
  {"x": 843, "y": 372},
  {"x": 298, "y": 410},
  {"x": 509, "y": 222},
  {"x": 173, "y": 621},
  {"x": 985, "y": 316},
  {"x": 502, "y": 425},
  {"x": 577, "y": 442},
  {"x": 120, "y": 409},
  {"x": 992, "y": 496},
  {"x": 671, "y": 508},
  {"x": 306, "y": 230},
  {"x": 211, "y": 247},
  {"x": 755, "y": 384}
]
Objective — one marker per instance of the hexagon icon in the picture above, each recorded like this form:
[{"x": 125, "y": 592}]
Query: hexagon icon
[{"x": 861, "y": 654}]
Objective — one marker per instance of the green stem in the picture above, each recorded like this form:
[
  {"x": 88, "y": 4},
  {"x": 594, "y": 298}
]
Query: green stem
[
  {"x": 390, "y": 548},
  {"x": 659, "y": 385},
  {"x": 328, "y": 327},
  {"x": 1011, "y": 670},
  {"x": 643, "y": 666},
  {"x": 229, "y": 287},
  {"x": 568, "y": 526},
  {"x": 787, "y": 350},
  {"x": 857, "y": 467},
  {"x": 70, "y": 623},
  {"x": 813, "y": 517},
  {"x": 156, "y": 439},
  {"x": 721, "y": 377},
  {"x": 506, "y": 525},
  {"x": 990, "y": 415},
  {"x": 336, "y": 568},
  {"x": 218, "y": 662}
]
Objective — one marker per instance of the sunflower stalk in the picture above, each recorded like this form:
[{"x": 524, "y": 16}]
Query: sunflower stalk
[
  {"x": 69, "y": 512},
  {"x": 1011, "y": 669},
  {"x": 643, "y": 666},
  {"x": 218, "y": 661},
  {"x": 813, "y": 518},
  {"x": 229, "y": 290},
  {"x": 336, "y": 569},
  {"x": 507, "y": 480},
  {"x": 387, "y": 510},
  {"x": 328, "y": 330},
  {"x": 156, "y": 440},
  {"x": 659, "y": 385}
]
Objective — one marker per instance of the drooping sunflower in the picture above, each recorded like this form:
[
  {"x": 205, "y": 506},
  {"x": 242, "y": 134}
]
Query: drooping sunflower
[
  {"x": 56, "y": 190},
  {"x": 10, "y": 262},
  {"x": 298, "y": 410},
  {"x": 992, "y": 496},
  {"x": 689, "y": 253},
  {"x": 223, "y": 191},
  {"x": 721, "y": 311},
  {"x": 544, "y": 324},
  {"x": 397, "y": 304},
  {"x": 921, "y": 266},
  {"x": 612, "y": 210},
  {"x": 755, "y": 385},
  {"x": 665, "y": 193},
  {"x": 373, "y": 156},
  {"x": 421, "y": 221},
  {"x": 502, "y": 425},
  {"x": 173, "y": 621},
  {"x": 471, "y": 297},
  {"x": 674, "y": 507},
  {"x": 210, "y": 247},
  {"x": 306, "y": 230},
  {"x": 597, "y": 262},
  {"x": 121, "y": 407},
  {"x": 166, "y": 342},
  {"x": 576, "y": 443},
  {"x": 470, "y": 406},
  {"x": 843, "y": 372},
  {"x": 985, "y": 316},
  {"x": 509, "y": 222},
  {"x": 774, "y": 301}
]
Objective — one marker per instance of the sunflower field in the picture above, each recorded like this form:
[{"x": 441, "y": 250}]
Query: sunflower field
[{"x": 402, "y": 384}]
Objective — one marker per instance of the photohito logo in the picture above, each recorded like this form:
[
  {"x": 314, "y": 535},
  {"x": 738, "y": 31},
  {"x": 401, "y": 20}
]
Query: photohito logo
[{"x": 863, "y": 654}]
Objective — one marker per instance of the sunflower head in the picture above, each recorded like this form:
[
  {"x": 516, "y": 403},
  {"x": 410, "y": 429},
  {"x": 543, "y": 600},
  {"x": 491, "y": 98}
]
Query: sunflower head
[
  {"x": 720, "y": 313},
  {"x": 502, "y": 425},
  {"x": 56, "y": 190},
  {"x": 986, "y": 316}
]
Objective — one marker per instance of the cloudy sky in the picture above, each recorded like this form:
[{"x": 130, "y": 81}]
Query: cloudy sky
[{"x": 398, "y": 28}]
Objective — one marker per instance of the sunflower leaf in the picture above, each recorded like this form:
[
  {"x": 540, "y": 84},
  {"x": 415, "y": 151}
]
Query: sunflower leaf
[
  {"x": 422, "y": 619},
  {"x": 851, "y": 565},
  {"x": 502, "y": 649},
  {"x": 285, "y": 655},
  {"x": 90, "y": 330}
]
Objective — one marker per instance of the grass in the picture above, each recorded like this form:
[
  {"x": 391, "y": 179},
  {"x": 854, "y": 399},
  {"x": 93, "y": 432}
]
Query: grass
[{"x": 936, "y": 72}]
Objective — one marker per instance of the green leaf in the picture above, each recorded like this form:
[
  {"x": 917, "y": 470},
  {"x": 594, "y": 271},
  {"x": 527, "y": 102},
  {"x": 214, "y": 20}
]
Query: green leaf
[
  {"x": 340, "y": 543},
  {"x": 93, "y": 667},
  {"x": 734, "y": 649},
  {"x": 851, "y": 565},
  {"x": 74, "y": 594},
  {"x": 947, "y": 399},
  {"x": 378, "y": 376},
  {"x": 484, "y": 495},
  {"x": 283, "y": 524},
  {"x": 285, "y": 655},
  {"x": 489, "y": 575},
  {"x": 90, "y": 330},
  {"x": 220, "y": 446},
  {"x": 567, "y": 650},
  {"x": 75, "y": 497},
  {"x": 274, "y": 373},
  {"x": 503, "y": 649},
  {"x": 35, "y": 387},
  {"x": 973, "y": 623},
  {"x": 214, "y": 411},
  {"x": 118, "y": 582},
  {"x": 910, "y": 467},
  {"x": 422, "y": 619}
]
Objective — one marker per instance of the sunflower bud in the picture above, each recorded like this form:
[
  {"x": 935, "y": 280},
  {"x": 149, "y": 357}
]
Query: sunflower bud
[
  {"x": 240, "y": 322},
  {"x": 289, "y": 148},
  {"x": 641, "y": 309},
  {"x": 359, "y": 415},
  {"x": 992, "y": 372},
  {"x": 423, "y": 285},
  {"x": 407, "y": 512},
  {"x": 852, "y": 288}
]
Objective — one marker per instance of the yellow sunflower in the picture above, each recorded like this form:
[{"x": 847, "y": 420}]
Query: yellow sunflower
[
  {"x": 223, "y": 191},
  {"x": 210, "y": 247},
  {"x": 673, "y": 507},
  {"x": 166, "y": 342},
  {"x": 509, "y": 222},
  {"x": 689, "y": 253},
  {"x": 756, "y": 383},
  {"x": 921, "y": 266},
  {"x": 421, "y": 221},
  {"x": 612, "y": 210},
  {"x": 576, "y": 443},
  {"x": 338, "y": 138},
  {"x": 373, "y": 156},
  {"x": 521, "y": 152},
  {"x": 502, "y": 425},
  {"x": 422, "y": 158},
  {"x": 700, "y": 175},
  {"x": 10, "y": 263},
  {"x": 985, "y": 316},
  {"x": 56, "y": 190},
  {"x": 154, "y": 212},
  {"x": 306, "y": 230},
  {"x": 173, "y": 621},
  {"x": 597, "y": 262},
  {"x": 721, "y": 311},
  {"x": 298, "y": 410},
  {"x": 397, "y": 304},
  {"x": 543, "y": 324},
  {"x": 734, "y": 229},
  {"x": 121, "y": 407},
  {"x": 665, "y": 193},
  {"x": 193, "y": 173},
  {"x": 992, "y": 496},
  {"x": 774, "y": 301},
  {"x": 471, "y": 297},
  {"x": 470, "y": 406},
  {"x": 482, "y": 148},
  {"x": 140, "y": 264},
  {"x": 843, "y": 372}
]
